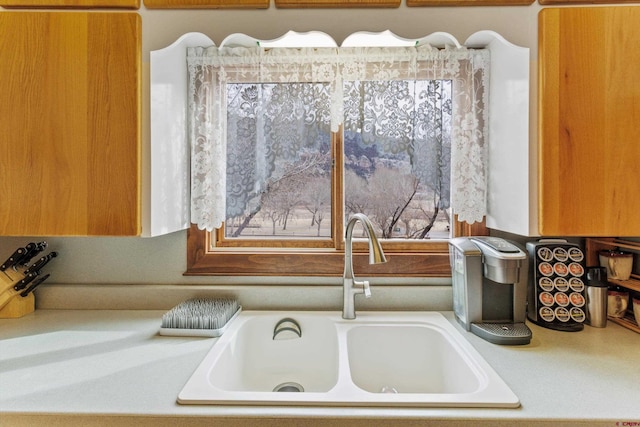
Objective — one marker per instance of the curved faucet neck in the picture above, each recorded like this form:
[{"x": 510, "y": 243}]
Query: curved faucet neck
[{"x": 376, "y": 256}]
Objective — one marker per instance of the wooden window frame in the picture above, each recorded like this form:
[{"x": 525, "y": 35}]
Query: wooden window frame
[
  {"x": 202, "y": 260},
  {"x": 211, "y": 254}
]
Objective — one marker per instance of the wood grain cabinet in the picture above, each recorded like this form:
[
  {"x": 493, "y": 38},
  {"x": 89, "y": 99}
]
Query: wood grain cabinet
[
  {"x": 70, "y": 119},
  {"x": 71, "y": 4},
  {"x": 206, "y": 4},
  {"x": 589, "y": 121}
]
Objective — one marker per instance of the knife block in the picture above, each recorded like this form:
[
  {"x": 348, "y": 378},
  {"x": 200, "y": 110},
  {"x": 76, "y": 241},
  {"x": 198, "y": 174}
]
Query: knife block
[{"x": 18, "y": 307}]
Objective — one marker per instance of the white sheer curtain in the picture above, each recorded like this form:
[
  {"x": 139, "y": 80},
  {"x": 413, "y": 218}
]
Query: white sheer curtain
[{"x": 212, "y": 68}]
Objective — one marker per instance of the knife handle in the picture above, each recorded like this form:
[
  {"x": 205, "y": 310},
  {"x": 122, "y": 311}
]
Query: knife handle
[
  {"x": 34, "y": 285},
  {"x": 28, "y": 249},
  {"x": 32, "y": 249},
  {"x": 13, "y": 259},
  {"x": 24, "y": 282},
  {"x": 37, "y": 266}
]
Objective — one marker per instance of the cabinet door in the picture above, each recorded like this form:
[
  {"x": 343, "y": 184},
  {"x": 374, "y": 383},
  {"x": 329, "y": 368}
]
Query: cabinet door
[
  {"x": 70, "y": 120},
  {"x": 84, "y": 4},
  {"x": 589, "y": 121}
]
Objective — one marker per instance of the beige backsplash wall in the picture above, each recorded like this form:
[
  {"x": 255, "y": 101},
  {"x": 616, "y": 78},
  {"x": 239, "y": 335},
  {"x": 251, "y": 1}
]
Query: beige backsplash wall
[
  {"x": 139, "y": 273},
  {"x": 111, "y": 272}
]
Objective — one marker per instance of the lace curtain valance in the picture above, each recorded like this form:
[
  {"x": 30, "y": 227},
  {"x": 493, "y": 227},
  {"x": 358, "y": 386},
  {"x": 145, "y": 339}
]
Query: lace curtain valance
[{"x": 212, "y": 69}]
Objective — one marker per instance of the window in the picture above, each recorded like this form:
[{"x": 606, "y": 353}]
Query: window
[
  {"x": 279, "y": 163},
  {"x": 397, "y": 156},
  {"x": 288, "y": 143}
]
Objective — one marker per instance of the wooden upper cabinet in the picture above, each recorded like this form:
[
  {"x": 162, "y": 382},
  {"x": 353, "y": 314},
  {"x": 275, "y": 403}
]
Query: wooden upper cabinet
[
  {"x": 70, "y": 120},
  {"x": 416, "y": 3},
  {"x": 72, "y": 4},
  {"x": 206, "y": 4},
  {"x": 589, "y": 121},
  {"x": 307, "y": 4},
  {"x": 566, "y": 2}
]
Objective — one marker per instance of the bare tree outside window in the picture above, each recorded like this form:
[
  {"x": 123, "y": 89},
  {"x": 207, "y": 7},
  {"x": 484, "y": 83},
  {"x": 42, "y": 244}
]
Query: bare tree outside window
[
  {"x": 396, "y": 144},
  {"x": 278, "y": 160}
]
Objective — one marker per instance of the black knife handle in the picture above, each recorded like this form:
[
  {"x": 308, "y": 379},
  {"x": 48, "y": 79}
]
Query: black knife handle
[
  {"x": 24, "y": 282},
  {"x": 33, "y": 249},
  {"x": 37, "y": 266},
  {"x": 13, "y": 259},
  {"x": 30, "y": 251},
  {"x": 34, "y": 285}
]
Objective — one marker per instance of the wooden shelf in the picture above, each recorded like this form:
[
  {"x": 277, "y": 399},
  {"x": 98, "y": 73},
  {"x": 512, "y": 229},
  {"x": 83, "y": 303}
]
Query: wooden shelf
[
  {"x": 627, "y": 321},
  {"x": 618, "y": 243},
  {"x": 633, "y": 283},
  {"x": 593, "y": 246}
]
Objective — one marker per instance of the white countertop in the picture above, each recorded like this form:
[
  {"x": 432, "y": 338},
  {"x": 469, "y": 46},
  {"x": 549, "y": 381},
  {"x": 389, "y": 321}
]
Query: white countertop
[{"x": 91, "y": 367}]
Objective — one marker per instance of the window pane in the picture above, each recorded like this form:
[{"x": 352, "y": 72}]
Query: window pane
[
  {"x": 397, "y": 144},
  {"x": 278, "y": 160}
]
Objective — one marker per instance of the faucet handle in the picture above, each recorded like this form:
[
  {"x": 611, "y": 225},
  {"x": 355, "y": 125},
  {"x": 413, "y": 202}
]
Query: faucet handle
[{"x": 367, "y": 289}]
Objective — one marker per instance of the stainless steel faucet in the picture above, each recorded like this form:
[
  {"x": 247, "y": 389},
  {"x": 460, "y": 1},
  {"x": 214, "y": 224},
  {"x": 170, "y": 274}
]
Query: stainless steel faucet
[{"x": 350, "y": 286}]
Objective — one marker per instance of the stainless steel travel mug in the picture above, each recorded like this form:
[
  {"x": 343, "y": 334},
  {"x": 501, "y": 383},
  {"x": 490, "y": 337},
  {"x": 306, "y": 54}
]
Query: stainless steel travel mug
[{"x": 596, "y": 296}]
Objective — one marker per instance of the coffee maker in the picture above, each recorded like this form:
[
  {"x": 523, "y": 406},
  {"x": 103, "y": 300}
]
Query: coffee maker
[{"x": 489, "y": 278}]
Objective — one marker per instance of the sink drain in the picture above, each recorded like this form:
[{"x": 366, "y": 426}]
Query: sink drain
[{"x": 289, "y": 388}]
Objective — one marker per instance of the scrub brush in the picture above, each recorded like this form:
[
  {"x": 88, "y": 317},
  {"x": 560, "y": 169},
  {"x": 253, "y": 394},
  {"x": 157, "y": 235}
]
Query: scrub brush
[{"x": 200, "y": 317}]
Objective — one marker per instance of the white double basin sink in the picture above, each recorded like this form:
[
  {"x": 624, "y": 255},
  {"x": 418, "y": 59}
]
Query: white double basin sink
[{"x": 379, "y": 359}]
